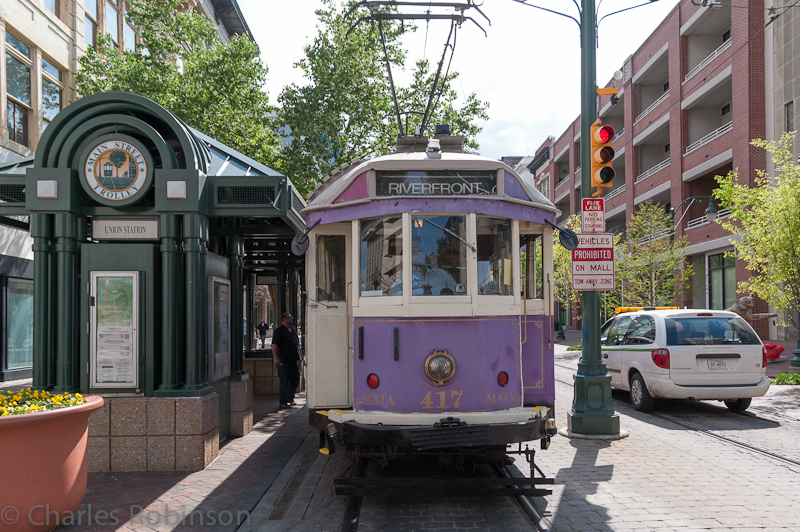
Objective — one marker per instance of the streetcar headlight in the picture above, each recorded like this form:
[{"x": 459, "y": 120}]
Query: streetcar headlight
[{"x": 440, "y": 367}]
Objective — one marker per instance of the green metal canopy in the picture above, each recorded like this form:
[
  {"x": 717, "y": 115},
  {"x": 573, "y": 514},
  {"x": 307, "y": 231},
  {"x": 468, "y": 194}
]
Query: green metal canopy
[
  {"x": 120, "y": 187},
  {"x": 241, "y": 196}
]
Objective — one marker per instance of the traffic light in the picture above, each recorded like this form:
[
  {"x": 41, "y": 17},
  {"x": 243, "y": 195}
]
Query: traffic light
[{"x": 602, "y": 154}]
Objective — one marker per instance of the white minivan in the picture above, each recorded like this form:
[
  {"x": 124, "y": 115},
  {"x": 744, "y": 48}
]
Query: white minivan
[{"x": 684, "y": 354}]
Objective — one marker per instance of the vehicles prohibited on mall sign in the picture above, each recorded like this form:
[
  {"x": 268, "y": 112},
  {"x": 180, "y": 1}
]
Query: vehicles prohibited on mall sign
[{"x": 593, "y": 262}]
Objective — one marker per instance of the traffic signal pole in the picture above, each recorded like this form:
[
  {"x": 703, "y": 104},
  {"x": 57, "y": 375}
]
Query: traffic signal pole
[{"x": 592, "y": 409}]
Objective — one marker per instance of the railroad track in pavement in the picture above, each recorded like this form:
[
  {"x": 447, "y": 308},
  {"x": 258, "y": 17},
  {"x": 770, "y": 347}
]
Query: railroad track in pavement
[
  {"x": 710, "y": 427},
  {"x": 377, "y": 511}
]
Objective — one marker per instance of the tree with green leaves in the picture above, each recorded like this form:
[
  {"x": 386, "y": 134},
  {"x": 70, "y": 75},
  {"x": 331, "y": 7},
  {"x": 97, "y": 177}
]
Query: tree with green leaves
[
  {"x": 767, "y": 220},
  {"x": 651, "y": 266},
  {"x": 562, "y": 267},
  {"x": 181, "y": 63},
  {"x": 345, "y": 111}
]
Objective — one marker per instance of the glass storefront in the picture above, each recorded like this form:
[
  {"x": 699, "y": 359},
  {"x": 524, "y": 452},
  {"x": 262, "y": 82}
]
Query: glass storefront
[{"x": 19, "y": 323}]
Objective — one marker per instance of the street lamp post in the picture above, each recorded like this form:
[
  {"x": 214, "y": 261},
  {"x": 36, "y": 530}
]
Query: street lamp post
[
  {"x": 710, "y": 212},
  {"x": 592, "y": 408}
]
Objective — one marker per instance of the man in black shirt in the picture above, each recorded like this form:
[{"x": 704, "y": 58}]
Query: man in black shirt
[
  {"x": 286, "y": 354},
  {"x": 262, "y": 332}
]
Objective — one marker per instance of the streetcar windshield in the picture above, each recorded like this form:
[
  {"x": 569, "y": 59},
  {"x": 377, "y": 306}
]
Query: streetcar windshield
[
  {"x": 438, "y": 255},
  {"x": 382, "y": 257}
]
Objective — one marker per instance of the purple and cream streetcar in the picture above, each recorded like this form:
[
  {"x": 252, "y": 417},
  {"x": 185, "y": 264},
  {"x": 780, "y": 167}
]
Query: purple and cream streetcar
[{"x": 429, "y": 309}]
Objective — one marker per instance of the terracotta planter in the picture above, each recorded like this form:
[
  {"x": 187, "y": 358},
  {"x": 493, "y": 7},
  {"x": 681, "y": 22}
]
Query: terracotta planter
[{"x": 44, "y": 466}]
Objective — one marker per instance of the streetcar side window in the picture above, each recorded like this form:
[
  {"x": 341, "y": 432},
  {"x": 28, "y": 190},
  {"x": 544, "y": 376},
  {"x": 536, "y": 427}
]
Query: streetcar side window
[
  {"x": 494, "y": 256},
  {"x": 439, "y": 255},
  {"x": 531, "y": 248},
  {"x": 331, "y": 267},
  {"x": 381, "y": 257}
]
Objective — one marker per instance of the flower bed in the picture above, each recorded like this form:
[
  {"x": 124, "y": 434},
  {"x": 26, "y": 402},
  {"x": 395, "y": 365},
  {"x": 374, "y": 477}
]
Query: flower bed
[{"x": 28, "y": 401}]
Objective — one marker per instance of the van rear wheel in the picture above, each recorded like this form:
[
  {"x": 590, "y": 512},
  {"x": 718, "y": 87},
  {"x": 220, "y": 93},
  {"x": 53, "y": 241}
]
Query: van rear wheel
[
  {"x": 640, "y": 397},
  {"x": 739, "y": 405}
]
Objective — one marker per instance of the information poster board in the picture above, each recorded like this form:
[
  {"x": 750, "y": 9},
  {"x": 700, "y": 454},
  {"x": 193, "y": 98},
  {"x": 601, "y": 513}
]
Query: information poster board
[
  {"x": 219, "y": 334},
  {"x": 114, "y": 330}
]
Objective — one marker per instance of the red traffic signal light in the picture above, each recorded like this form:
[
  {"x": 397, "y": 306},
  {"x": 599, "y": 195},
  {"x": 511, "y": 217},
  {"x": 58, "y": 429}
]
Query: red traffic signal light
[{"x": 602, "y": 155}]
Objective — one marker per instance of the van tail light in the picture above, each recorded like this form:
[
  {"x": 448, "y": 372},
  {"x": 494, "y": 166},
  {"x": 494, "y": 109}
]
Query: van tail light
[
  {"x": 763, "y": 357},
  {"x": 661, "y": 358}
]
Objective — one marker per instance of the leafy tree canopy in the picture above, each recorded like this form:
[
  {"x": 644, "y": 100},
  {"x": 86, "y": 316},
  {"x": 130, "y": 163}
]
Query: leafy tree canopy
[
  {"x": 215, "y": 88},
  {"x": 651, "y": 268},
  {"x": 346, "y": 111},
  {"x": 765, "y": 217}
]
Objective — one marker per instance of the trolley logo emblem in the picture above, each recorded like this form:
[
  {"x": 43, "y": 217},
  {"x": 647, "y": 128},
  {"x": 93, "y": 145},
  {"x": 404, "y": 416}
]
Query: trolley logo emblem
[{"x": 116, "y": 170}]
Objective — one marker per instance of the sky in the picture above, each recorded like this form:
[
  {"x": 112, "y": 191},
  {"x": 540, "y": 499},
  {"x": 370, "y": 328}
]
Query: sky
[{"x": 527, "y": 67}]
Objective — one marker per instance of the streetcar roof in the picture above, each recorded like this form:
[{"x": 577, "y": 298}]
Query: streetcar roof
[{"x": 330, "y": 192}]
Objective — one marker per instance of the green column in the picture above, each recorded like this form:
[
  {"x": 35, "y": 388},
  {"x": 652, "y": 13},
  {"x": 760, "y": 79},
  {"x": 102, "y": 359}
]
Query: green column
[
  {"x": 235, "y": 252},
  {"x": 43, "y": 357},
  {"x": 195, "y": 299},
  {"x": 67, "y": 321},
  {"x": 249, "y": 281},
  {"x": 592, "y": 409},
  {"x": 170, "y": 379}
]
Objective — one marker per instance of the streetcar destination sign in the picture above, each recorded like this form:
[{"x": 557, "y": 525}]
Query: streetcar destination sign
[{"x": 593, "y": 262}]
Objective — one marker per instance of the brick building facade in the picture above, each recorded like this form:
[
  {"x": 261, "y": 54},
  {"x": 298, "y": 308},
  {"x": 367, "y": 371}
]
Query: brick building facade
[{"x": 689, "y": 101}]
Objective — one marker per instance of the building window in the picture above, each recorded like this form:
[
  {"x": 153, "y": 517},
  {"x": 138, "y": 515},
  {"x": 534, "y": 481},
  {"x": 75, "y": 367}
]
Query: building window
[
  {"x": 666, "y": 86},
  {"x": 53, "y": 6},
  {"x": 18, "y": 89},
  {"x": 725, "y": 109},
  {"x": 790, "y": 116},
  {"x": 19, "y": 323},
  {"x": 721, "y": 281},
  {"x": 52, "y": 90},
  {"x": 90, "y": 27},
  {"x": 726, "y": 36},
  {"x": 666, "y": 147},
  {"x": 112, "y": 20},
  {"x": 544, "y": 187},
  {"x": 129, "y": 36}
]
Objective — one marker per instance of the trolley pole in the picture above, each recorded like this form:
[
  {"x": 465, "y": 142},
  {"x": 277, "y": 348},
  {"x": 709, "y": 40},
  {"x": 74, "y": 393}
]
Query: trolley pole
[{"x": 592, "y": 410}]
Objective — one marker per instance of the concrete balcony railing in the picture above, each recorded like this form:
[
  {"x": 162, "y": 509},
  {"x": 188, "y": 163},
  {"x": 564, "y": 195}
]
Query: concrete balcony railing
[
  {"x": 703, "y": 220},
  {"x": 616, "y": 192},
  {"x": 660, "y": 166},
  {"x": 658, "y": 235},
  {"x": 716, "y": 53},
  {"x": 708, "y": 138},
  {"x": 563, "y": 224},
  {"x": 618, "y": 135},
  {"x": 653, "y": 106}
]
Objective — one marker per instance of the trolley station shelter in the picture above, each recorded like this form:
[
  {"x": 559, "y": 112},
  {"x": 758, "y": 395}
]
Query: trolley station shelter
[{"x": 148, "y": 240}]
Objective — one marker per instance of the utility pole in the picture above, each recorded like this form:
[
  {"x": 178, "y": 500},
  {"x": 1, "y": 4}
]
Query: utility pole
[{"x": 592, "y": 410}]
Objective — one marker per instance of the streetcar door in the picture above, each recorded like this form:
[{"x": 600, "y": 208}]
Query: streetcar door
[
  {"x": 535, "y": 298},
  {"x": 328, "y": 355}
]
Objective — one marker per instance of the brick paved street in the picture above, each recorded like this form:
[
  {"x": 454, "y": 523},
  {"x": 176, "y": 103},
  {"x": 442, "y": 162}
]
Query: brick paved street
[
  {"x": 664, "y": 476},
  {"x": 684, "y": 468}
]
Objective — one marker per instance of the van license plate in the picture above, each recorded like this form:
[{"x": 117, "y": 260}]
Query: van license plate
[{"x": 717, "y": 364}]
